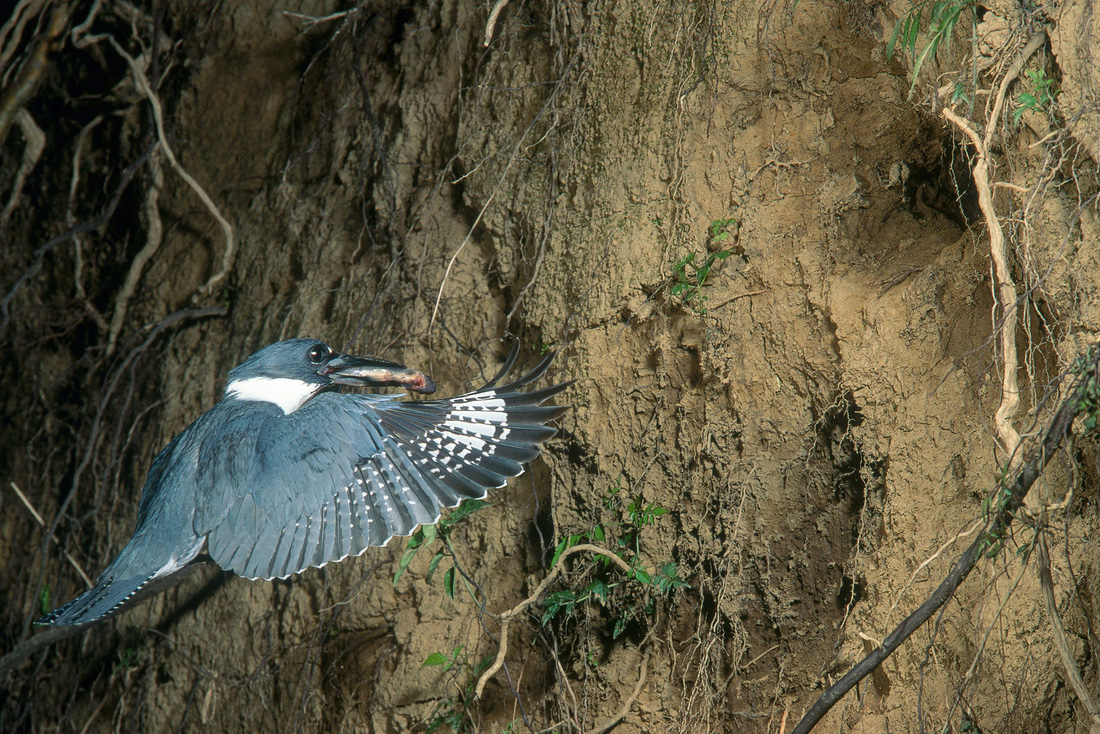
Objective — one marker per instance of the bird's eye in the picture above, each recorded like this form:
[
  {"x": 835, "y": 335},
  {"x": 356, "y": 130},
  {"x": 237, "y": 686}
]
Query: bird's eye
[{"x": 318, "y": 352}]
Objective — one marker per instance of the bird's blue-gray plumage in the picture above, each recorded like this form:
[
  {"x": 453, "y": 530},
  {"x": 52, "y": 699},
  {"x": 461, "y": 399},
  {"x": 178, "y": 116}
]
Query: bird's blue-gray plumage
[{"x": 268, "y": 488}]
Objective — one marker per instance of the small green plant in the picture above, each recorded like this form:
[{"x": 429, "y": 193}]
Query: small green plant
[
  {"x": 719, "y": 231},
  {"x": 427, "y": 534},
  {"x": 1041, "y": 98},
  {"x": 959, "y": 95},
  {"x": 44, "y": 599},
  {"x": 942, "y": 17},
  {"x": 993, "y": 541},
  {"x": 452, "y": 712},
  {"x": 630, "y": 598},
  {"x": 1089, "y": 402},
  {"x": 691, "y": 276}
]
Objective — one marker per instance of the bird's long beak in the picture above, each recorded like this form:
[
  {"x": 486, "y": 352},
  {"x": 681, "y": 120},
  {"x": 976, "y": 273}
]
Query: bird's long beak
[{"x": 346, "y": 369}]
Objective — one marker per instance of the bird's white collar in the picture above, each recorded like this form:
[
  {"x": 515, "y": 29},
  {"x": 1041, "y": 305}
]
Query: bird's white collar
[{"x": 288, "y": 394}]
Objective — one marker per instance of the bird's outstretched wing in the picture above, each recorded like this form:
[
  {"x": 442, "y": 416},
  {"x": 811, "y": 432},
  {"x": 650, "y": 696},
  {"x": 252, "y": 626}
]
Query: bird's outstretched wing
[{"x": 370, "y": 468}]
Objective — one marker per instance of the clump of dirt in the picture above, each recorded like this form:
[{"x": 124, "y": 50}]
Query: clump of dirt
[{"x": 783, "y": 446}]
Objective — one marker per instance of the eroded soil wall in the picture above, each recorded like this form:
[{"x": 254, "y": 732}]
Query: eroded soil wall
[{"x": 783, "y": 440}]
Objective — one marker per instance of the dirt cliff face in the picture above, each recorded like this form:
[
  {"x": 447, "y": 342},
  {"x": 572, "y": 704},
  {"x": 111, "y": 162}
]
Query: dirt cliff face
[{"x": 761, "y": 259}]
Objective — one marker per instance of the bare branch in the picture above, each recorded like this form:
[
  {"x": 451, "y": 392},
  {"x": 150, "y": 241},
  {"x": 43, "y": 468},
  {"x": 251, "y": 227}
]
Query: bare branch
[{"x": 1000, "y": 520}]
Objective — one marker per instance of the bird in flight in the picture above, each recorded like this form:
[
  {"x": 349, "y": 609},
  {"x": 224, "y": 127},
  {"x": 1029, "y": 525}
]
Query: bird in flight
[{"x": 286, "y": 473}]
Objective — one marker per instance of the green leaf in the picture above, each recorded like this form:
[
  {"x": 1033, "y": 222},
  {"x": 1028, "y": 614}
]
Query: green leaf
[
  {"x": 599, "y": 590},
  {"x": 44, "y": 599},
  {"x": 428, "y": 534},
  {"x": 406, "y": 559},
  {"x": 436, "y": 658},
  {"x": 483, "y": 664},
  {"x": 433, "y": 564},
  {"x": 566, "y": 543},
  {"x": 556, "y": 601},
  {"x": 449, "y": 582},
  {"x": 668, "y": 579},
  {"x": 464, "y": 510}
]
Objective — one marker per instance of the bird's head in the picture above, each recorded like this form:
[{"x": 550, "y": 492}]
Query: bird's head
[{"x": 288, "y": 373}]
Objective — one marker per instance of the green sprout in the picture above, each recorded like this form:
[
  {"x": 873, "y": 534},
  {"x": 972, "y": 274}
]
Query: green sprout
[
  {"x": 1040, "y": 99},
  {"x": 427, "y": 534},
  {"x": 942, "y": 17},
  {"x": 691, "y": 275}
]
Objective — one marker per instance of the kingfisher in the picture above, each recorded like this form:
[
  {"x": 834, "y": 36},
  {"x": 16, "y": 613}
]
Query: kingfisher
[{"x": 287, "y": 473}]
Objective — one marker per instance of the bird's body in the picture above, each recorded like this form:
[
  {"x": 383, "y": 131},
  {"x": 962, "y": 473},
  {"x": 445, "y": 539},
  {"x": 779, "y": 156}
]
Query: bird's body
[{"x": 284, "y": 475}]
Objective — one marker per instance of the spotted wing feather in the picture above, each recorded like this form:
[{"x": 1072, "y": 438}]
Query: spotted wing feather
[{"x": 376, "y": 467}]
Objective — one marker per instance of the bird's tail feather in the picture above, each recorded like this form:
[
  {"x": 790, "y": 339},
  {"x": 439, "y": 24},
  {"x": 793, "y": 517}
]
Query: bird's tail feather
[
  {"x": 137, "y": 573},
  {"x": 109, "y": 594}
]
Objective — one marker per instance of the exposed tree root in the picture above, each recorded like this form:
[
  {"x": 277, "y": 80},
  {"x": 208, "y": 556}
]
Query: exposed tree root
[
  {"x": 23, "y": 87},
  {"x": 1005, "y": 288},
  {"x": 154, "y": 234},
  {"x": 34, "y": 141},
  {"x": 230, "y": 243},
  {"x": 41, "y": 252}
]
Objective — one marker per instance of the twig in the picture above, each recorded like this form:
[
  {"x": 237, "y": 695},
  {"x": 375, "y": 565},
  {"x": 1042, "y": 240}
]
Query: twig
[
  {"x": 88, "y": 723},
  {"x": 748, "y": 294},
  {"x": 913, "y": 576},
  {"x": 998, "y": 523},
  {"x": 625, "y": 708},
  {"x": 507, "y": 617},
  {"x": 1059, "y": 633},
  {"x": 491, "y": 25},
  {"x": 42, "y": 523},
  {"x": 158, "y": 117},
  {"x": 990, "y": 628},
  {"x": 313, "y": 20},
  {"x": 43, "y": 639}
]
